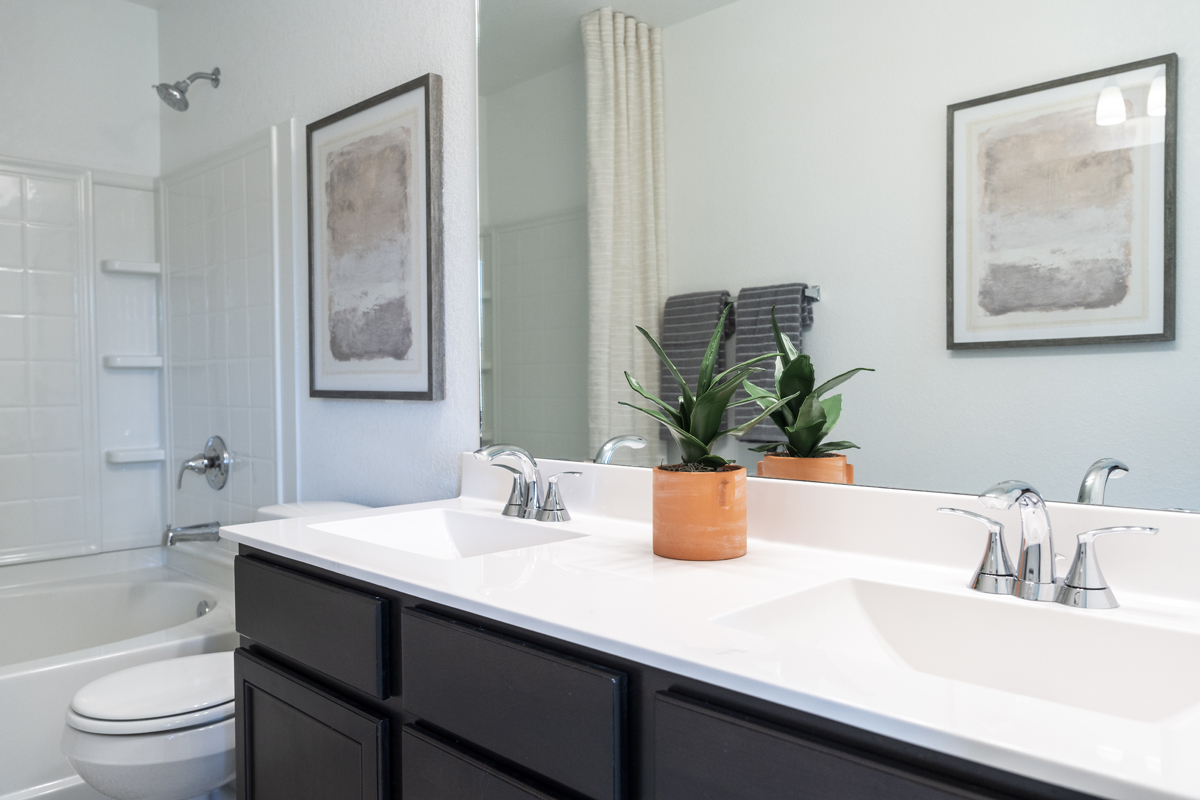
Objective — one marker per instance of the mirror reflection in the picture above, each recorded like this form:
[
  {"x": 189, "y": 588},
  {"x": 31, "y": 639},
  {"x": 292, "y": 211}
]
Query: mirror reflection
[{"x": 647, "y": 165}]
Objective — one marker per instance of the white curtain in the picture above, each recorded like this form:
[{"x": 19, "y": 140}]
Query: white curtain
[{"x": 627, "y": 277}]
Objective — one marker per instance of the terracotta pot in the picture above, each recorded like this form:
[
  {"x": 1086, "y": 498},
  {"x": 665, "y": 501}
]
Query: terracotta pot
[
  {"x": 829, "y": 469},
  {"x": 700, "y": 516}
]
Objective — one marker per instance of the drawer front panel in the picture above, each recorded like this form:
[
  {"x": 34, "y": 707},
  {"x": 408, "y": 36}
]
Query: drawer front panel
[
  {"x": 297, "y": 742},
  {"x": 703, "y": 751},
  {"x": 560, "y": 717},
  {"x": 338, "y": 631},
  {"x": 435, "y": 769}
]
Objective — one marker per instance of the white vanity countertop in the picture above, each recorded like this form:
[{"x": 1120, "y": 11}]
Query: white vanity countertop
[{"x": 606, "y": 590}]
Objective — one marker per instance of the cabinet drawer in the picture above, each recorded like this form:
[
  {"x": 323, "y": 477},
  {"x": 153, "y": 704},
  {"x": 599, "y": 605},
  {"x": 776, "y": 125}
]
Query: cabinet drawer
[
  {"x": 338, "y": 631},
  {"x": 436, "y": 769},
  {"x": 560, "y": 717},
  {"x": 701, "y": 750},
  {"x": 296, "y": 741}
]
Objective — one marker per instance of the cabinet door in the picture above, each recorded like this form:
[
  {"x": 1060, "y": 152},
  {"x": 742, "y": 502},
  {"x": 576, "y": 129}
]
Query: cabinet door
[
  {"x": 338, "y": 631},
  {"x": 702, "y": 751},
  {"x": 296, "y": 741},
  {"x": 436, "y": 769},
  {"x": 557, "y": 716}
]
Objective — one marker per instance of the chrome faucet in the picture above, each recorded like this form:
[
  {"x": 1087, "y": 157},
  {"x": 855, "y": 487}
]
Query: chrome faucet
[
  {"x": 528, "y": 482},
  {"x": 1096, "y": 481},
  {"x": 204, "y": 532},
  {"x": 630, "y": 440},
  {"x": 1035, "y": 566}
]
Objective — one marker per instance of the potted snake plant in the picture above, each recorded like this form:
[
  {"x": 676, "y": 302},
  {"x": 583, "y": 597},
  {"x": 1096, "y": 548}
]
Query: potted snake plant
[
  {"x": 700, "y": 503},
  {"x": 805, "y": 417}
]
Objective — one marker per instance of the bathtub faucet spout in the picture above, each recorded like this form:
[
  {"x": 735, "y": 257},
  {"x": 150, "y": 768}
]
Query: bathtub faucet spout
[{"x": 204, "y": 532}]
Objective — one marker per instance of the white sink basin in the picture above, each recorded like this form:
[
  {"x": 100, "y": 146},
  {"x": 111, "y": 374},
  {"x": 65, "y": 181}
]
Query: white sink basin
[
  {"x": 1040, "y": 650},
  {"x": 447, "y": 533}
]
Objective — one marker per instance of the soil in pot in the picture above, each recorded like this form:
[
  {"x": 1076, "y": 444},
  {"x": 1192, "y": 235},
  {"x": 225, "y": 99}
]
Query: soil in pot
[
  {"x": 700, "y": 515},
  {"x": 824, "y": 469}
]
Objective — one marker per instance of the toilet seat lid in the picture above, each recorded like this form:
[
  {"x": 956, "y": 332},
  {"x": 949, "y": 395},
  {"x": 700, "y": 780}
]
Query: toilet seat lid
[{"x": 159, "y": 689}]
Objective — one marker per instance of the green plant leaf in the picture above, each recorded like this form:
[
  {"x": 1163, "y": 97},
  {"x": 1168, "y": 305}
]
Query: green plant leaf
[
  {"x": 710, "y": 407},
  {"x": 637, "y": 387},
  {"x": 745, "y": 426},
  {"x": 796, "y": 379},
  {"x": 781, "y": 416},
  {"x": 805, "y": 433},
  {"x": 787, "y": 351},
  {"x": 830, "y": 446},
  {"x": 767, "y": 448},
  {"x": 833, "y": 383},
  {"x": 713, "y": 460},
  {"x": 690, "y": 448},
  {"x": 745, "y": 364},
  {"x": 710, "y": 355},
  {"x": 688, "y": 400},
  {"x": 833, "y": 410}
]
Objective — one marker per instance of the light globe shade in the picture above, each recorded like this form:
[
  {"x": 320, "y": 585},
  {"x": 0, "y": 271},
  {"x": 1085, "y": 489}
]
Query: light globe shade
[
  {"x": 1110, "y": 110},
  {"x": 1156, "y": 102}
]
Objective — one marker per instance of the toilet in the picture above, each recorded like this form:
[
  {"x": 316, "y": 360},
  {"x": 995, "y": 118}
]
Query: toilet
[
  {"x": 165, "y": 730},
  {"x": 157, "y": 731}
]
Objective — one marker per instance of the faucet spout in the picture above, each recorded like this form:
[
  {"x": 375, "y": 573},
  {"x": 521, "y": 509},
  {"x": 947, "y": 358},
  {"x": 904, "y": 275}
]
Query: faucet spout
[
  {"x": 1035, "y": 567},
  {"x": 530, "y": 477},
  {"x": 1096, "y": 481}
]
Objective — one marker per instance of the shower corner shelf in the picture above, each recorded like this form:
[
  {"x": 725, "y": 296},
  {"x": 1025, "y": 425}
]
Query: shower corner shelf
[
  {"x": 134, "y": 456},
  {"x": 132, "y": 267},
  {"x": 133, "y": 362}
]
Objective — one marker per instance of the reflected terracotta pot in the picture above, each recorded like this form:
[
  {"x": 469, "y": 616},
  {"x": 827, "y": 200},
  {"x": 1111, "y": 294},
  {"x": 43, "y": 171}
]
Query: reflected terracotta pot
[
  {"x": 700, "y": 516},
  {"x": 830, "y": 469}
]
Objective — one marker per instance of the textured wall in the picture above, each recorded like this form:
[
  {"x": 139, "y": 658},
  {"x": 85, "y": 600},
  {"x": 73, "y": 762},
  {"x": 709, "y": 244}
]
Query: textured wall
[
  {"x": 75, "y": 79},
  {"x": 806, "y": 141},
  {"x": 307, "y": 59}
]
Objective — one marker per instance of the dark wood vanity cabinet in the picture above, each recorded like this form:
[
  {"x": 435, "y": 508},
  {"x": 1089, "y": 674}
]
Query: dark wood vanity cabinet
[{"x": 349, "y": 690}]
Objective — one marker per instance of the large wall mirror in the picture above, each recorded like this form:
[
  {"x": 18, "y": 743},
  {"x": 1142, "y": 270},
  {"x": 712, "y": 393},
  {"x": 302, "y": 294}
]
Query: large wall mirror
[{"x": 806, "y": 142}]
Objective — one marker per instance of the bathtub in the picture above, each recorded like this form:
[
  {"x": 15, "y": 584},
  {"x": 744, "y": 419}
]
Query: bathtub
[{"x": 65, "y": 623}]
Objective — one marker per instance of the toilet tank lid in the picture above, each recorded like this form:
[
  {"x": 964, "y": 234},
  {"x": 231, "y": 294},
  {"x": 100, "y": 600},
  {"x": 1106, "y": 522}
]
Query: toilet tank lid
[
  {"x": 159, "y": 689},
  {"x": 309, "y": 508}
]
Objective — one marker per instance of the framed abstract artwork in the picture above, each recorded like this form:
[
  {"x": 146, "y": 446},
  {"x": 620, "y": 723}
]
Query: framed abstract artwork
[
  {"x": 1060, "y": 222},
  {"x": 375, "y": 247}
]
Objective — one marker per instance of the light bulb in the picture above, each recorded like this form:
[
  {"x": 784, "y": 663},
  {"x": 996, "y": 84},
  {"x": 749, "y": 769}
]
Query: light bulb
[
  {"x": 1111, "y": 108},
  {"x": 1156, "y": 102}
]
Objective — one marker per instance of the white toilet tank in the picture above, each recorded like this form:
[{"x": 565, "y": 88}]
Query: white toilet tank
[{"x": 309, "y": 508}]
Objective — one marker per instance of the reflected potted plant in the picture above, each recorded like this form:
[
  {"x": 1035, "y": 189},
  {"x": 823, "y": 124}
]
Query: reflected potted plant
[
  {"x": 700, "y": 503},
  {"x": 804, "y": 417}
]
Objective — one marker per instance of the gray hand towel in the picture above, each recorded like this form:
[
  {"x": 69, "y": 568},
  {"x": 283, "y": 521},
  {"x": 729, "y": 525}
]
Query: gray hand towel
[
  {"x": 688, "y": 322},
  {"x": 793, "y": 311}
]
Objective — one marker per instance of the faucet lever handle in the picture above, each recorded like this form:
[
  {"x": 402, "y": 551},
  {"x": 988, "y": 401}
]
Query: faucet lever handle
[
  {"x": 516, "y": 496},
  {"x": 995, "y": 574},
  {"x": 554, "y": 509},
  {"x": 1085, "y": 585}
]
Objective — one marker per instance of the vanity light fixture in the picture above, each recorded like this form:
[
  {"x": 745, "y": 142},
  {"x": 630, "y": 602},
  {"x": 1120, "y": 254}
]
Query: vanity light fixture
[
  {"x": 1110, "y": 110},
  {"x": 1156, "y": 102}
]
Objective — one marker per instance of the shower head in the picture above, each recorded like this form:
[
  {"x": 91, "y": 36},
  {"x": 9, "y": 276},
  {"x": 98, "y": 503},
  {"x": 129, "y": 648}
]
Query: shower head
[{"x": 175, "y": 94}]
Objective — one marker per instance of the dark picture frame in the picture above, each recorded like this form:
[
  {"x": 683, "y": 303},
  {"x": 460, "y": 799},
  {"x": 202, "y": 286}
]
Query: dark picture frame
[
  {"x": 375, "y": 247},
  {"x": 1052, "y": 292}
]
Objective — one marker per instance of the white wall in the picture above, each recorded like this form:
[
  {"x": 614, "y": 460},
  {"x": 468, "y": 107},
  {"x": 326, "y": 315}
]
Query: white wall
[
  {"x": 806, "y": 141},
  {"x": 76, "y": 83},
  {"x": 307, "y": 59},
  {"x": 535, "y": 141}
]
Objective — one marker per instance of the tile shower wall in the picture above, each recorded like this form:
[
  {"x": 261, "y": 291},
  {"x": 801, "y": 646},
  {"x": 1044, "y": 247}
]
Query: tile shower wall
[
  {"x": 220, "y": 276},
  {"x": 48, "y": 460},
  {"x": 538, "y": 278}
]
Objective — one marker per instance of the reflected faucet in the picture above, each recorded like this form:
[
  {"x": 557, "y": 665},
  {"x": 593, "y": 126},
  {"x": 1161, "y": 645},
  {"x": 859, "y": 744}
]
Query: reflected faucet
[
  {"x": 1096, "y": 481},
  {"x": 528, "y": 481},
  {"x": 630, "y": 440},
  {"x": 1035, "y": 567}
]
